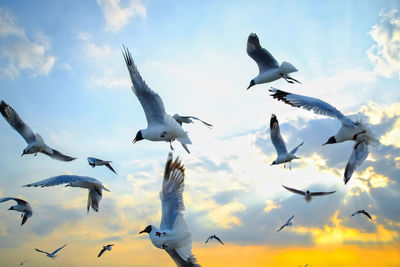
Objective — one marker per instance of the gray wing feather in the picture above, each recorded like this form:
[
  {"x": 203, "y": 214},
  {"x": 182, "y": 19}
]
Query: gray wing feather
[
  {"x": 101, "y": 252},
  {"x": 191, "y": 262},
  {"x": 276, "y": 137},
  {"x": 18, "y": 200},
  {"x": 57, "y": 155},
  {"x": 171, "y": 193},
  {"x": 63, "y": 179},
  {"x": 260, "y": 55},
  {"x": 42, "y": 251},
  {"x": 187, "y": 119},
  {"x": 295, "y": 149},
  {"x": 321, "y": 193},
  {"x": 108, "y": 165},
  {"x": 357, "y": 157},
  {"x": 16, "y": 122},
  {"x": 151, "y": 102},
  {"x": 290, "y": 219},
  {"x": 310, "y": 103},
  {"x": 294, "y": 190},
  {"x": 57, "y": 250}
]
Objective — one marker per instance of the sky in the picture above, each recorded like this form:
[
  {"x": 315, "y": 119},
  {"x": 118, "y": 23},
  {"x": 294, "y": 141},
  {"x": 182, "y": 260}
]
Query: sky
[{"x": 62, "y": 70}]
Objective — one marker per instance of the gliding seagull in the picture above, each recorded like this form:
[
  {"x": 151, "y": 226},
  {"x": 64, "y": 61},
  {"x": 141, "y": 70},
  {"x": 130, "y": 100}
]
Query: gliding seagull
[
  {"x": 269, "y": 69},
  {"x": 94, "y": 186},
  {"x": 307, "y": 194},
  {"x": 22, "y": 206},
  {"x": 99, "y": 162},
  {"x": 108, "y": 247},
  {"x": 287, "y": 223},
  {"x": 356, "y": 131},
  {"x": 173, "y": 235},
  {"x": 279, "y": 144},
  {"x": 214, "y": 237},
  {"x": 160, "y": 125},
  {"x": 35, "y": 142},
  {"x": 362, "y": 212},
  {"x": 53, "y": 254}
]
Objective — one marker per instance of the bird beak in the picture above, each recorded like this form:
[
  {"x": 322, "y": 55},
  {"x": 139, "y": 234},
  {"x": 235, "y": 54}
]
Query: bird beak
[
  {"x": 324, "y": 143},
  {"x": 248, "y": 87},
  {"x": 23, "y": 153},
  {"x": 134, "y": 141}
]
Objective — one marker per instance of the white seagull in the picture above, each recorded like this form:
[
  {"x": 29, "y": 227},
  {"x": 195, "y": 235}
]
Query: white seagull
[
  {"x": 22, "y": 206},
  {"x": 308, "y": 196},
  {"x": 53, "y": 254},
  {"x": 94, "y": 186},
  {"x": 160, "y": 125},
  {"x": 108, "y": 247},
  {"x": 173, "y": 235},
  {"x": 188, "y": 119},
  {"x": 288, "y": 223},
  {"x": 269, "y": 69},
  {"x": 357, "y": 131},
  {"x": 279, "y": 144},
  {"x": 362, "y": 212},
  {"x": 214, "y": 237},
  {"x": 35, "y": 142},
  {"x": 99, "y": 162}
]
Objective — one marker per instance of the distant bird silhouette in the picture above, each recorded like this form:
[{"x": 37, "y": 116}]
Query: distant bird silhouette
[
  {"x": 362, "y": 212},
  {"x": 287, "y": 223},
  {"x": 22, "y": 206},
  {"x": 108, "y": 247},
  {"x": 214, "y": 237},
  {"x": 53, "y": 254}
]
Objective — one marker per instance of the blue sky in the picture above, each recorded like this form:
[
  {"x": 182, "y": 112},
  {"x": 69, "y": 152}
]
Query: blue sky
[{"x": 62, "y": 70}]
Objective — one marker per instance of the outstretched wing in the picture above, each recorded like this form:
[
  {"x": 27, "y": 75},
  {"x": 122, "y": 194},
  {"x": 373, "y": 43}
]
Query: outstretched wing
[
  {"x": 18, "y": 200},
  {"x": 357, "y": 157},
  {"x": 180, "y": 262},
  {"x": 151, "y": 102},
  {"x": 366, "y": 214},
  {"x": 220, "y": 241},
  {"x": 57, "y": 250},
  {"x": 66, "y": 179},
  {"x": 291, "y": 218},
  {"x": 295, "y": 190},
  {"x": 276, "y": 137},
  {"x": 261, "y": 56},
  {"x": 56, "y": 154},
  {"x": 187, "y": 119},
  {"x": 108, "y": 165},
  {"x": 42, "y": 251},
  {"x": 295, "y": 149},
  {"x": 310, "y": 103},
  {"x": 171, "y": 193},
  {"x": 101, "y": 252},
  {"x": 321, "y": 193},
  {"x": 16, "y": 122}
]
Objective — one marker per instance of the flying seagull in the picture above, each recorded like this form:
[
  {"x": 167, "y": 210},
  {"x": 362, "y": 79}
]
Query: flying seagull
[
  {"x": 357, "y": 131},
  {"x": 53, "y": 254},
  {"x": 188, "y": 119},
  {"x": 214, "y": 237},
  {"x": 22, "y": 206},
  {"x": 35, "y": 142},
  {"x": 362, "y": 212},
  {"x": 160, "y": 125},
  {"x": 288, "y": 223},
  {"x": 269, "y": 69},
  {"x": 173, "y": 235},
  {"x": 279, "y": 144},
  {"x": 307, "y": 194},
  {"x": 22, "y": 263},
  {"x": 98, "y": 162},
  {"x": 108, "y": 247},
  {"x": 94, "y": 186}
]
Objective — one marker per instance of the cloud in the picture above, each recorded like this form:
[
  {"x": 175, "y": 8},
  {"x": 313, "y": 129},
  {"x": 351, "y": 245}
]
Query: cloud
[
  {"x": 20, "y": 52},
  {"x": 385, "y": 54},
  {"x": 118, "y": 16},
  {"x": 271, "y": 205}
]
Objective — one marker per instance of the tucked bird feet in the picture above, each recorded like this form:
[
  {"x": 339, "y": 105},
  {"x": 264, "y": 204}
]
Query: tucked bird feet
[{"x": 159, "y": 234}]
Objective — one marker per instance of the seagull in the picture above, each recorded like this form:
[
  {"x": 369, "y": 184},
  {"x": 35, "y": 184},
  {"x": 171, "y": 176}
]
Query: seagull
[
  {"x": 308, "y": 195},
  {"x": 357, "y": 131},
  {"x": 22, "y": 206},
  {"x": 173, "y": 235},
  {"x": 269, "y": 69},
  {"x": 279, "y": 144},
  {"x": 98, "y": 162},
  {"x": 53, "y": 254},
  {"x": 35, "y": 142},
  {"x": 22, "y": 263},
  {"x": 288, "y": 223},
  {"x": 363, "y": 212},
  {"x": 108, "y": 247},
  {"x": 188, "y": 119},
  {"x": 160, "y": 125},
  {"x": 94, "y": 186},
  {"x": 214, "y": 237}
]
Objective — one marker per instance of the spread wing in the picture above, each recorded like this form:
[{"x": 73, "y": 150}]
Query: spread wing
[
  {"x": 187, "y": 119},
  {"x": 220, "y": 241},
  {"x": 57, "y": 250},
  {"x": 66, "y": 179},
  {"x": 366, "y": 214},
  {"x": 260, "y": 55},
  {"x": 276, "y": 137},
  {"x": 294, "y": 190},
  {"x": 18, "y": 200},
  {"x": 151, "y": 102},
  {"x": 101, "y": 252},
  {"x": 16, "y": 122},
  {"x": 171, "y": 193},
  {"x": 108, "y": 165},
  {"x": 310, "y": 103},
  {"x": 42, "y": 251},
  {"x": 56, "y": 154},
  {"x": 291, "y": 218},
  {"x": 321, "y": 193},
  {"x": 357, "y": 157},
  {"x": 180, "y": 262},
  {"x": 295, "y": 149}
]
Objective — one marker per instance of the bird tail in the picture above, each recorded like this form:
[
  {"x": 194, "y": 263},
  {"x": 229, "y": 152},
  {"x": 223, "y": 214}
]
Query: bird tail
[
  {"x": 369, "y": 136},
  {"x": 286, "y": 67}
]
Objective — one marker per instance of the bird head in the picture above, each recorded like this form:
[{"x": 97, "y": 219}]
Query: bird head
[
  {"x": 252, "y": 83},
  {"x": 138, "y": 137},
  {"x": 331, "y": 140},
  {"x": 146, "y": 230}
]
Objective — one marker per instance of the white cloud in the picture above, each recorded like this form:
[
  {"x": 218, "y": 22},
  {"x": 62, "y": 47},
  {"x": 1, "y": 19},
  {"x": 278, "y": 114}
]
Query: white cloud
[
  {"x": 118, "y": 16},
  {"x": 385, "y": 54},
  {"x": 21, "y": 52}
]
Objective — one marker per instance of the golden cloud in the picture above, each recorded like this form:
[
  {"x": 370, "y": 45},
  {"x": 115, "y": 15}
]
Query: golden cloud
[{"x": 271, "y": 205}]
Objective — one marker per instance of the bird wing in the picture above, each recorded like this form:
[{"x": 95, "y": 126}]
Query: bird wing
[
  {"x": 276, "y": 137},
  {"x": 171, "y": 193},
  {"x": 16, "y": 122},
  {"x": 208, "y": 239},
  {"x": 187, "y": 119},
  {"x": 295, "y": 190},
  {"x": 180, "y": 262},
  {"x": 321, "y": 193},
  {"x": 108, "y": 165},
  {"x": 294, "y": 150},
  {"x": 151, "y": 102},
  {"x": 291, "y": 218},
  {"x": 366, "y": 214},
  {"x": 56, "y": 154},
  {"x": 57, "y": 250},
  {"x": 101, "y": 252},
  {"x": 357, "y": 157},
  {"x": 42, "y": 251},
  {"x": 18, "y": 200},
  {"x": 354, "y": 213},
  {"x": 261, "y": 56},
  {"x": 216, "y": 237},
  {"x": 283, "y": 226},
  {"x": 310, "y": 103},
  {"x": 64, "y": 179}
]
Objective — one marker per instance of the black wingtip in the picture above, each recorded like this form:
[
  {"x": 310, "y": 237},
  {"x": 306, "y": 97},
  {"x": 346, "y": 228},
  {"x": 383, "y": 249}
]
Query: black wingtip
[{"x": 273, "y": 120}]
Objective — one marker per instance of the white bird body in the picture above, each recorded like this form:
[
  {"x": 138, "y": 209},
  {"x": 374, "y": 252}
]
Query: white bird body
[
  {"x": 22, "y": 206},
  {"x": 169, "y": 239}
]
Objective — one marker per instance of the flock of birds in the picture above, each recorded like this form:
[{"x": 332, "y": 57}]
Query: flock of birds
[{"x": 173, "y": 234}]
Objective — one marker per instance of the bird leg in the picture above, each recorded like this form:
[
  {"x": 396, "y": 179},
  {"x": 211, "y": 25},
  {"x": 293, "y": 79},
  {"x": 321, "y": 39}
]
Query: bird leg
[
  {"x": 159, "y": 234},
  {"x": 357, "y": 134},
  {"x": 164, "y": 246},
  {"x": 170, "y": 144}
]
